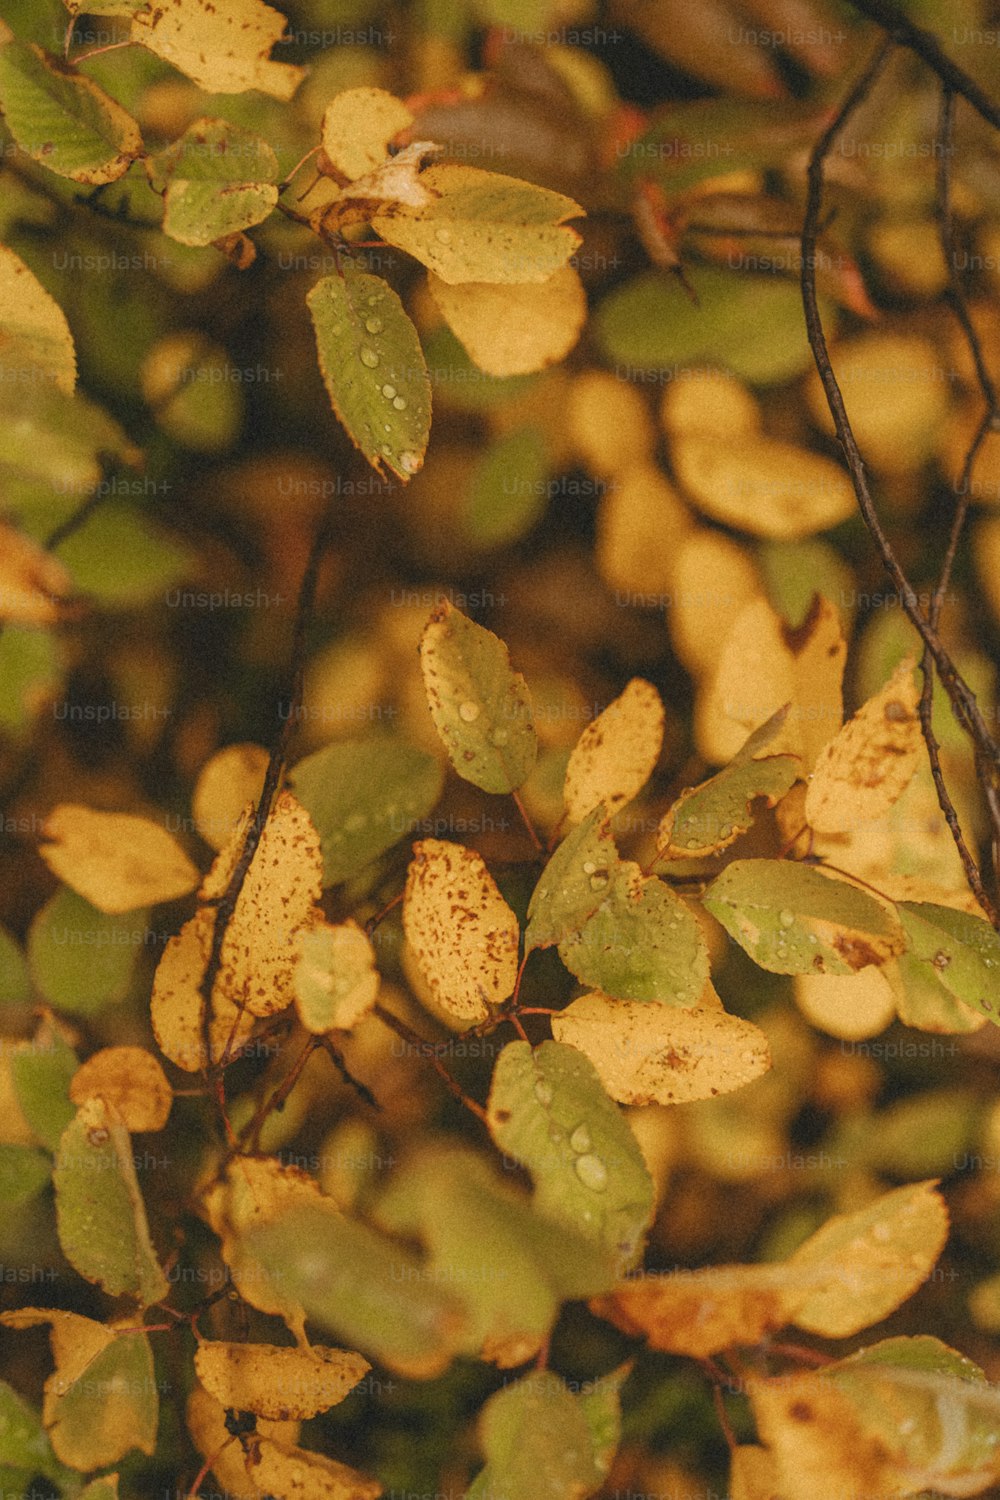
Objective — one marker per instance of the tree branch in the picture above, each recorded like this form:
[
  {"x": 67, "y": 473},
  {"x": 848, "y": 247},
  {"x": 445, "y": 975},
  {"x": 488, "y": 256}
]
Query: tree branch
[{"x": 926, "y": 45}]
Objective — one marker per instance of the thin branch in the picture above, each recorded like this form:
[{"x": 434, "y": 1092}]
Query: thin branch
[
  {"x": 926, "y": 45},
  {"x": 429, "y": 1050}
]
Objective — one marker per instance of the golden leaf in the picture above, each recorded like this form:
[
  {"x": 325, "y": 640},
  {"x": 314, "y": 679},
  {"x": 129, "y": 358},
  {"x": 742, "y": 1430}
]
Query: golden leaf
[
  {"x": 848, "y": 1006},
  {"x": 33, "y": 328},
  {"x": 609, "y": 424},
  {"x": 713, "y": 579},
  {"x": 177, "y": 1009},
  {"x": 229, "y": 780},
  {"x": 279, "y": 1383},
  {"x": 762, "y": 485},
  {"x": 641, "y": 522},
  {"x": 116, "y": 861},
  {"x": 616, "y": 753},
  {"x": 514, "y": 330},
  {"x": 896, "y": 393},
  {"x": 206, "y": 1420},
  {"x": 131, "y": 1080},
  {"x": 866, "y": 767},
  {"x": 358, "y": 126},
  {"x": 710, "y": 402},
  {"x": 817, "y": 1443},
  {"x": 222, "y": 48}
]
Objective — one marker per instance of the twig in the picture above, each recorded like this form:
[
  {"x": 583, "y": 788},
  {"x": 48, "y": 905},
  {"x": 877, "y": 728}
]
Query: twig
[
  {"x": 429, "y": 1050},
  {"x": 333, "y": 1053},
  {"x": 926, "y": 45}
]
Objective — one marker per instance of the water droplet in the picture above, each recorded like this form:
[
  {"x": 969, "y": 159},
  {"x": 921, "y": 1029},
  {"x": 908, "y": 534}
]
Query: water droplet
[
  {"x": 373, "y": 325},
  {"x": 388, "y": 391},
  {"x": 543, "y": 1091},
  {"x": 592, "y": 1172},
  {"x": 580, "y": 1139},
  {"x": 355, "y": 822},
  {"x": 598, "y": 880},
  {"x": 409, "y": 462},
  {"x": 786, "y": 918},
  {"x": 368, "y": 357},
  {"x": 500, "y": 737},
  {"x": 372, "y": 300},
  {"x": 725, "y": 831},
  {"x": 443, "y": 236},
  {"x": 589, "y": 867},
  {"x": 400, "y": 403},
  {"x": 468, "y": 712}
]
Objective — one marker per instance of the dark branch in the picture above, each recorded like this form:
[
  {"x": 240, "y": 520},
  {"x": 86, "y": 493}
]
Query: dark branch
[{"x": 926, "y": 45}]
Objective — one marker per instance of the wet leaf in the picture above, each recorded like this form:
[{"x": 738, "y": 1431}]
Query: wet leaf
[
  {"x": 536, "y": 1443},
  {"x": 574, "y": 882},
  {"x": 278, "y": 1383},
  {"x": 64, "y": 120},
  {"x": 219, "y": 178},
  {"x": 223, "y": 49},
  {"x": 117, "y": 862},
  {"x": 960, "y": 951}
]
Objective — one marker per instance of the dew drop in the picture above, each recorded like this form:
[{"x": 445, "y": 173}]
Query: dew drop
[
  {"x": 443, "y": 236},
  {"x": 592, "y": 1172},
  {"x": 598, "y": 880},
  {"x": 589, "y": 867},
  {"x": 368, "y": 357},
  {"x": 373, "y": 325},
  {"x": 468, "y": 712},
  {"x": 580, "y": 1139},
  {"x": 786, "y": 918},
  {"x": 373, "y": 300},
  {"x": 388, "y": 391},
  {"x": 409, "y": 462},
  {"x": 543, "y": 1091},
  {"x": 500, "y": 737},
  {"x": 400, "y": 403}
]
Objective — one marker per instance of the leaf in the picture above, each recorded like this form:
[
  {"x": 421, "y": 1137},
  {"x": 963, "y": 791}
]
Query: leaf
[
  {"x": 81, "y": 959},
  {"x": 481, "y": 707},
  {"x": 304, "y": 1475},
  {"x": 24, "y": 1171},
  {"x": 122, "y": 561},
  {"x": 896, "y": 396},
  {"x": 514, "y": 330},
  {"x": 64, "y": 120},
  {"x": 762, "y": 485},
  {"x": 363, "y": 796},
  {"x": 48, "y": 437},
  {"x": 42, "y": 1071},
  {"x": 463, "y": 934},
  {"x": 713, "y": 579},
  {"x": 34, "y": 585},
  {"x": 373, "y": 369},
  {"x": 708, "y": 818},
  {"x": 100, "y": 1214},
  {"x": 223, "y": 49},
  {"x": 642, "y": 943},
  {"x": 600, "y": 1402},
  {"x": 960, "y": 951},
  {"x": 860, "y": 1267},
  {"x": 548, "y": 1110},
  {"x": 177, "y": 1008},
  {"x": 336, "y": 981},
  {"x": 23, "y": 1440},
  {"x": 102, "y": 1399},
  {"x": 819, "y": 652},
  {"x": 751, "y": 324},
  {"x": 641, "y": 522},
  {"x": 228, "y": 780},
  {"x": 117, "y": 862},
  {"x": 483, "y": 226},
  {"x": 129, "y": 1079},
  {"x": 663, "y": 1054},
  {"x": 610, "y": 428},
  {"x": 616, "y": 753},
  {"x": 849, "y": 1006},
  {"x": 358, "y": 125},
  {"x": 536, "y": 1443},
  {"x": 508, "y": 489},
  {"x": 750, "y": 680},
  {"x": 34, "y": 333},
  {"x": 218, "y": 179},
  {"x": 362, "y": 1288},
  {"x": 573, "y": 884},
  {"x": 206, "y": 1422},
  {"x": 276, "y": 902},
  {"x": 793, "y": 919},
  {"x": 866, "y": 767},
  {"x": 277, "y": 1383},
  {"x": 700, "y": 1313},
  {"x": 15, "y": 981}
]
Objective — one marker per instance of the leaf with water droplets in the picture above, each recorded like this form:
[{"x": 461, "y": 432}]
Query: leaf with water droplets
[
  {"x": 217, "y": 179},
  {"x": 793, "y": 919},
  {"x": 480, "y": 705},
  {"x": 663, "y": 1054},
  {"x": 374, "y": 369},
  {"x": 548, "y": 1109},
  {"x": 642, "y": 943},
  {"x": 959, "y": 950},
  {"x": 616, "y": 753},
  {"x": 463, "y": 934},
  {"x": 536, "y": 1442},
  {"x": 574, "y": 882}
]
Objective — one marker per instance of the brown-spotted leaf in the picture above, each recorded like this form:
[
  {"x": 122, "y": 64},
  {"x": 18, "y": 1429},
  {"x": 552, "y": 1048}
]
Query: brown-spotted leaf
[
  {"x": 616, "y": 753},
  {"x": 867, "y": 766},
  {"x": 279, "y": 1383},
  {"x": 224, "y": 49},
  {"x": 177, "y": 1009},
  {"x": 358, "y": 125},
  {"x": 699, "y": 1313}
]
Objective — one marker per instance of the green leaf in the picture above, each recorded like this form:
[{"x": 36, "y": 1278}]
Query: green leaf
[
  {"x": 961, "y": 952},
  {"x": 512, "y": 1267},
  {"x": 921, "y": 1136},
  {"x": 536, "y": 1443},
  {"x": 642, "y": 943},
  {"x": 792, "y": 919},
  {"x": 24, "y": 1171},
  {"x": 121, "y": 561},
  {"x": 30, "y": 676},
  {"x": 41, "y": 1072},
  {"x": 600, "y": 1402},
  {"x": 100, "y": 1215},
  {"x": 483, "y": 226},
  {"x": 218, "y": 179},
  {"x": 548, "y": 1110},
  {"x": 47, "y": 437},
  {"x": 363, "y": 796},
  {"x": 82, "y": 960},
  {"x": 709, "y": 137},
  {"x": 750, "y": 324},
  {"x": 796, "y": 571},
  {"x": 480, "y": 705},
  {"x": 64, "y": 120},
  {"x": 507, "y": 491},
  {"x": 711, "y": 816},
  {"x": 373, "y": 368},
  {"x": 24, "y": 1442},
  {"x": 362, "y": 1287},
  {"x": 15, "y": 982},
  {"x": 574, "y": 882}
]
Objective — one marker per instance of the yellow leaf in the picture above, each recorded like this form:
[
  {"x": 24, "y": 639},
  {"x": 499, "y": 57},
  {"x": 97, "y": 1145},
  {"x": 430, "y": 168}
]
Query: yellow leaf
[
  {"x": 206, "y": 1420},
  {"x": 279, "y": 1383},
  {"x": 646, "y": 1053},
  {"x": 848, "y": 1006},
  {"x": 131, "y": 1080},
  {"x": 301, "y": 1475},
  {"x": 713, "y": 579},
  {"x": 859, "y": 1267},
  {"x": 398, "y": 182},
  {"x": 710, "y": 402},
  {"x": 34, "y": 585},
  {"x": 817, "y": 1443},
  {"x": 514, "y": 330},
  {"x": 34, "y": 333},
  {"x": 896, "y": 391},
  {"x": 358, "y": 126},
  {"x": 232, "y": 777},
  {"x": 222, "y": 48},
  {"x": 177, "y": 1009},
  {"x": 609, "y": 423},
  {"x": 641, "y": 522},
  {"x": 753, "y": 678},
  {"x": 869, "y": 763},
  {"x": 699, "y": 1313},
  {"x": 762, "y": 485},
  {"x": 463, "y": 935},
  {"x": 116, "y": 861},
  {"x": 752, "y": 1475},
  {"x": 336, "y": 981},
  {"x": 277, "y": 901},
  {"x": 819, "y": 652},
  {"x": 616, "y": 753}
]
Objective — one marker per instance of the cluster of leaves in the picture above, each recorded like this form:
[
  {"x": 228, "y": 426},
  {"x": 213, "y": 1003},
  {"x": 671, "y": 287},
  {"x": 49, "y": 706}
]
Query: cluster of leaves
[{"x": 796, "y": 854}]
